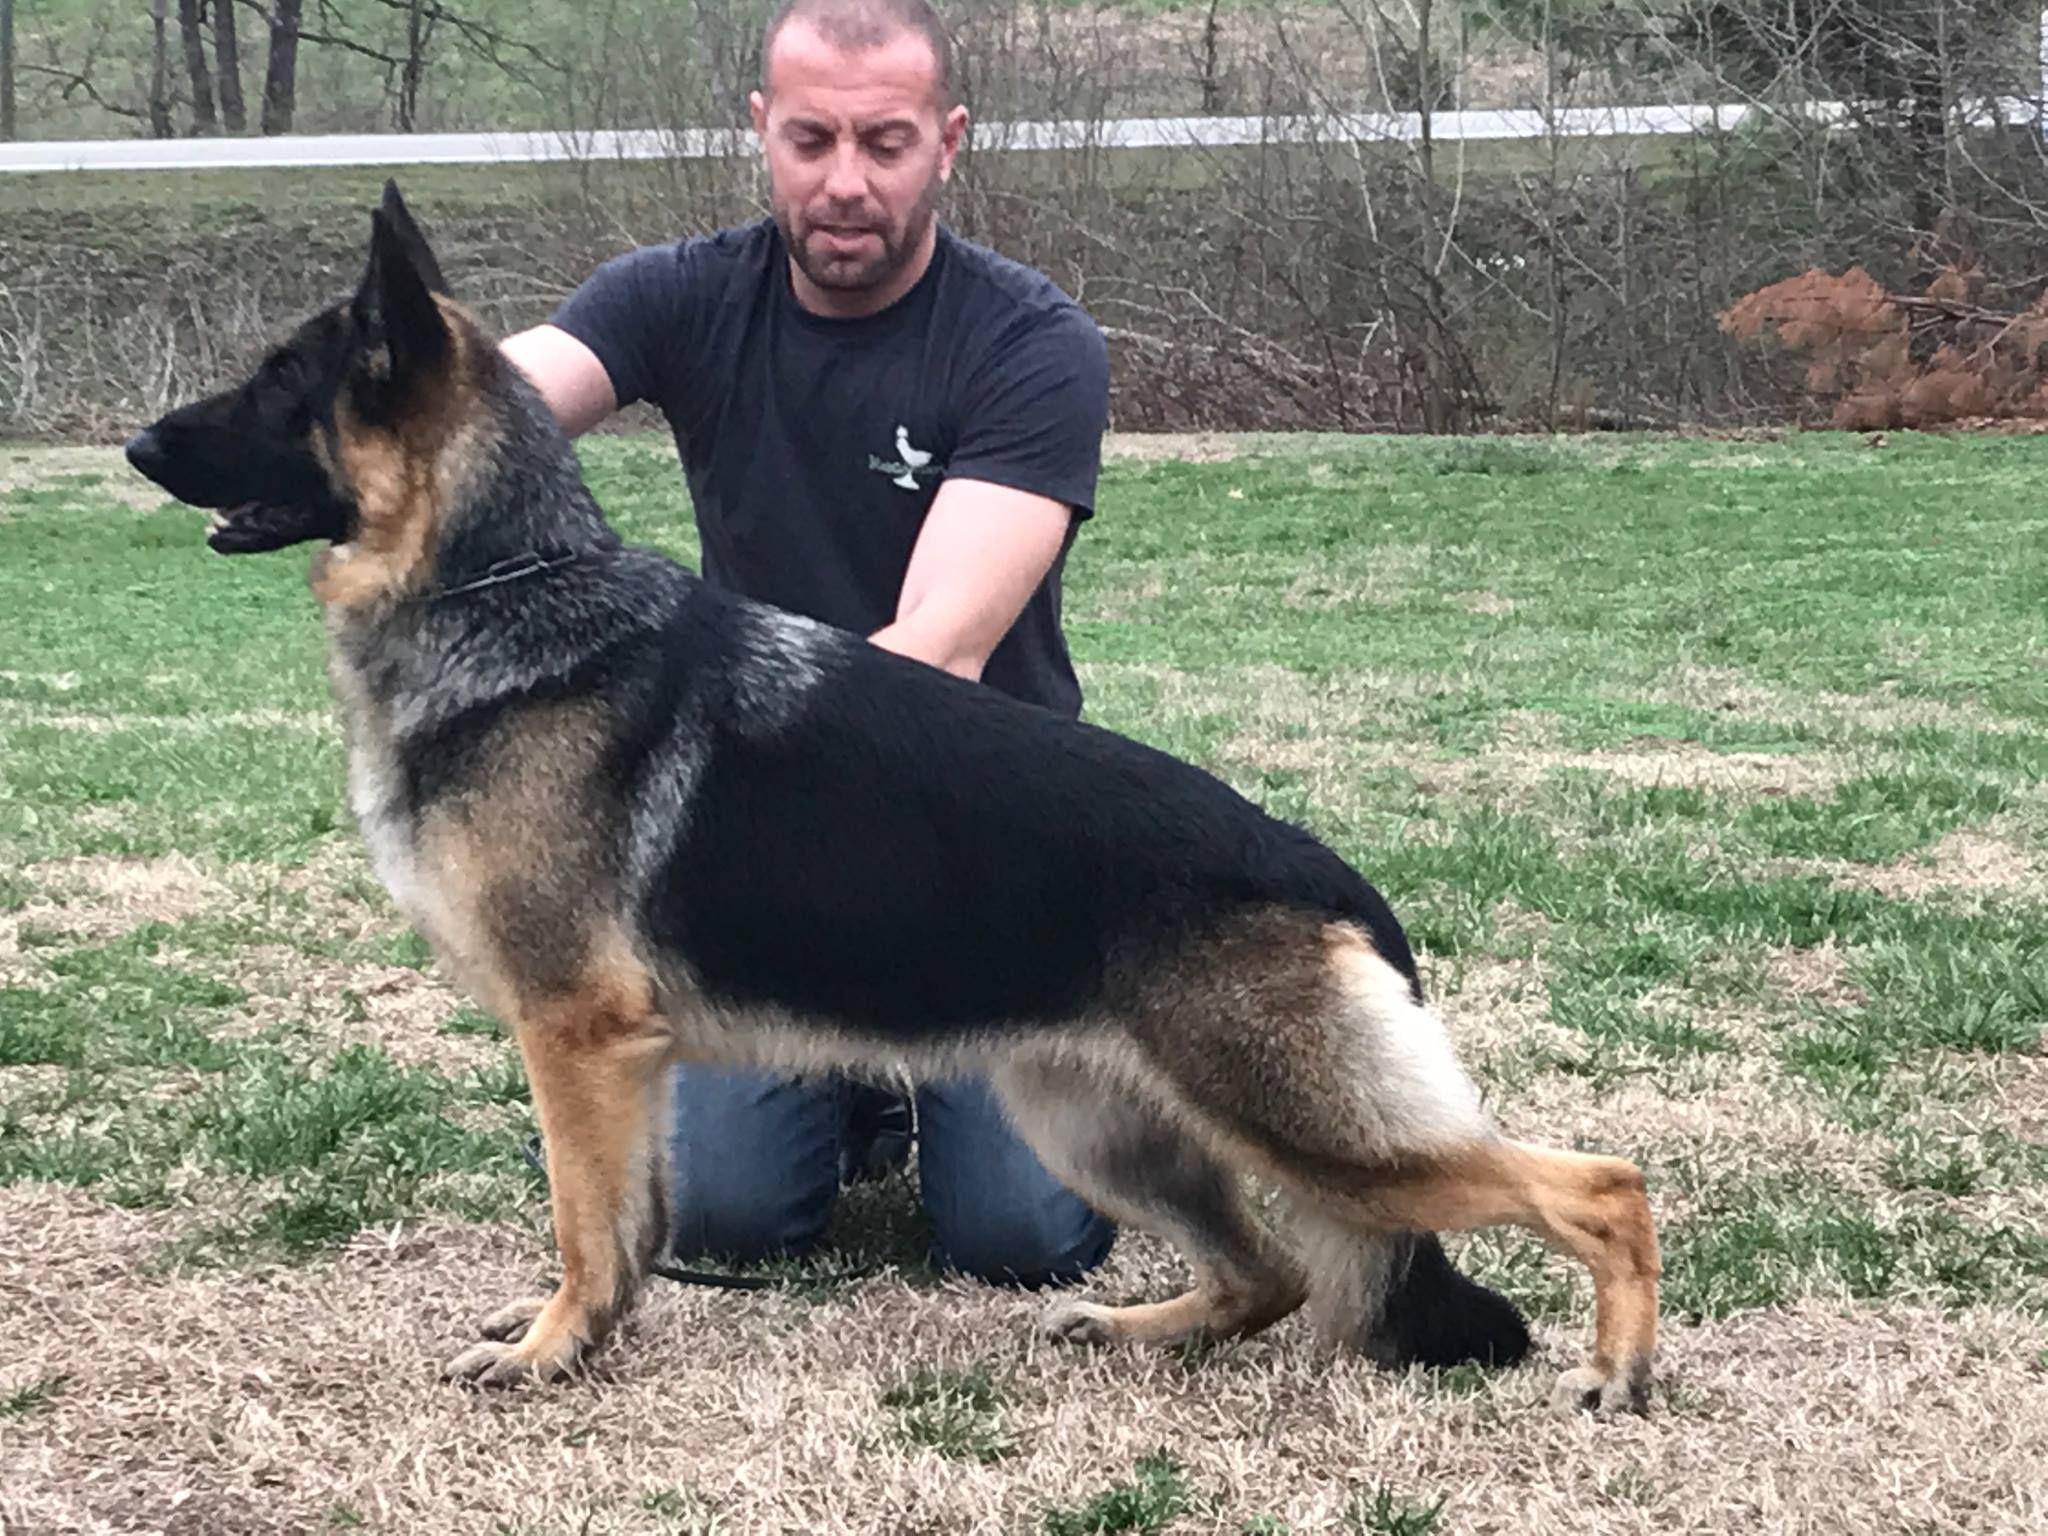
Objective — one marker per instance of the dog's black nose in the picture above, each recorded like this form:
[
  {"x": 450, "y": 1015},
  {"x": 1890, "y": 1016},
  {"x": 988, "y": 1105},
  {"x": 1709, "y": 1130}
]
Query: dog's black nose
[{"x": 146, "y": 451}]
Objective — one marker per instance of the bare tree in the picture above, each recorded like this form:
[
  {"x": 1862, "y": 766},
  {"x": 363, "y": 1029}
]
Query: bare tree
[
  {"x": 159, "y": 75},
  {"x": 228, "y": 54},
  {"x": 7, "y": 70},
  {"x": 196, "y": 73},
  {"x": 281, "y": 73},
  {"x": 419, "y": 32}
]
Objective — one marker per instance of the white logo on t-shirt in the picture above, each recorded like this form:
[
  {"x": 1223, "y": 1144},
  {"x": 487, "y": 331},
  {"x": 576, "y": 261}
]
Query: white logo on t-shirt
[{"x": 903, "y": 469}]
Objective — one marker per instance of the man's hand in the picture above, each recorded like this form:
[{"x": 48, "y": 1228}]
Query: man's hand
[
  {"x": 566, "y": 372},
  {"x": 982, "y": 552}
]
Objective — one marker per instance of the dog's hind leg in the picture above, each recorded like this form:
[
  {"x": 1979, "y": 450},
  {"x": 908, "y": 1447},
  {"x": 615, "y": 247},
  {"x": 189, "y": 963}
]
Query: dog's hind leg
[
  {"x": 1134, "y": 1163},
  {"x": 1592, "y": 1208},
  {"x": 595, "y": 1061},
  {"x": 1413, "y": 1153}
]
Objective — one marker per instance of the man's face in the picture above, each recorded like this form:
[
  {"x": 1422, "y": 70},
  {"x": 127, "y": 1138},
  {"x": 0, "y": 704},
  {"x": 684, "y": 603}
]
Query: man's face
[{"x": 857, "y": 148}]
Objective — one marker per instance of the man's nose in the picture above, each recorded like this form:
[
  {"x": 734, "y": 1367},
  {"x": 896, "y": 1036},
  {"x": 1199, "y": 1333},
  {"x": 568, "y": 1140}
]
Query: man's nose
[{"x": 846, "y": 178}]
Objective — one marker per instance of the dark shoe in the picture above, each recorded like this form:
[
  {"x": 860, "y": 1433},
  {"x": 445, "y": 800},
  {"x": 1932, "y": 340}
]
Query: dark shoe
[
  {"x": 874, "y": 1139},
  {"x": 1434, "y": 1315}
]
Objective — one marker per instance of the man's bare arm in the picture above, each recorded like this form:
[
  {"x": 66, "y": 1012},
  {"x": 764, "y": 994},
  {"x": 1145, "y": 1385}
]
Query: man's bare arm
[
  {"x": 566, "y": 372},
  {"x": 982, "y": 552}
]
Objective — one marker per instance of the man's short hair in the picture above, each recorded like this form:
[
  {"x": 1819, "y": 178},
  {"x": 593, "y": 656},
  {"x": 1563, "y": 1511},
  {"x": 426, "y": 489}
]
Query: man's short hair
[{"x": 856, "y": 24}]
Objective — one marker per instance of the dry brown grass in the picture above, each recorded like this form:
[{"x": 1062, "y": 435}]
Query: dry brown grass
[
  {"x": 22, "y": 468},
  {"x": 209, "y": 1402},
  {"x": 395, "y": 1008},
  {"x": 1181, "y": 447},
  {"x": 1965, "y": 860},
  {"x": 108, "y": 894},
  {"x": 107, "y": 722},
  {"x": 306, "y": 1398},
  {"x": 1734, "y": 692}
]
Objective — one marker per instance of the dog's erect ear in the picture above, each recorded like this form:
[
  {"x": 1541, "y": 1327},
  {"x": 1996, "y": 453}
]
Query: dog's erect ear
[
  {"x": 415, "y": 244},
  {"x": 394, "y": 306}
]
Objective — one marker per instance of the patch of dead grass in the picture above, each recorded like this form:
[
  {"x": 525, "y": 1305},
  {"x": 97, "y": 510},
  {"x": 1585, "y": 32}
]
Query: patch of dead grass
[
  {"x": 1817, "y": 974},
  {"x": 1965, "y": 860},
  {"x": 1733, "y": 691},
  {"x": 107, "y": 722},
  {"x": 1490, "y": 604},
  {"x": 1184, "y": 447},
  {"x": 1517, "y": 768},
  {"x": 217, "y": 1402},
  {"x": 395, "y": 1008},
  {"x": 1396, "y": 572},
  {"x": 30, "y": 468},
  {"x": 107, "y": 894},
  {"x": 19, "y": 966},
  {"x": 1688, "y": 764}
]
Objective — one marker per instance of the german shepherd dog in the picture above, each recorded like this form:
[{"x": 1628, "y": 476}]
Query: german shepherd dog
[{"x": 647, "y": 821}]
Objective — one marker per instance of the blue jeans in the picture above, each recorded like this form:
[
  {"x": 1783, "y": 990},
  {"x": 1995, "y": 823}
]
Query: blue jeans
[{"x": 754, "y": 1163}]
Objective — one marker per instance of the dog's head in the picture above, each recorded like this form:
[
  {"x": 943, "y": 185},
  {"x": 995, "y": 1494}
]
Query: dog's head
[{"x": 352, "y": 431}]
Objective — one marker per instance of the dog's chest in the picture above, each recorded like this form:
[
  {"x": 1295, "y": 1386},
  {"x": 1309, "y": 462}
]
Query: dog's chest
[{"x": 380, "y": 804}]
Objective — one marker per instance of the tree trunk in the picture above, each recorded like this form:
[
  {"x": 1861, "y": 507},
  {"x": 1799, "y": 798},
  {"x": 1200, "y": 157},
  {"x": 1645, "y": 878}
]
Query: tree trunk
[
  {"x": 196, "y": 72},
  {"x": 159, "y": 92},
  {"x": 281, "y": 76},
  {"x": 416, "y": 29},
  {"x": 228, "y": 54},
  {"x": 7, "y": 71}
]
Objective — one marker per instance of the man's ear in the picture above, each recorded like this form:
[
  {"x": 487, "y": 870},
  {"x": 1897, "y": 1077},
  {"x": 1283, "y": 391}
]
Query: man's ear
[
  {"x": 394, "y": 306},
  {"x": 952, "y": 134}
]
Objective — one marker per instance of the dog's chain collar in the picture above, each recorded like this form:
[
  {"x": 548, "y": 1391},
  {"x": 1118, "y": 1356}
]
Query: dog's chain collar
[{"x": 518, "y": 568}]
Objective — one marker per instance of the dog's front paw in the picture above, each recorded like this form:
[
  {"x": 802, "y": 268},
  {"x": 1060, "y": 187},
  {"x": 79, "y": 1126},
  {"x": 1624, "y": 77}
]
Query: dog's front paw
[
  {"x": 1591, "y": 1388},
  {"x": 525, "y": 1343},
  {"x": 509, "y": 1323}
]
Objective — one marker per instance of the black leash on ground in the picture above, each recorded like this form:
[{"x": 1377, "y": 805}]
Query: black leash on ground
[{"x": 714, "y": 1278}]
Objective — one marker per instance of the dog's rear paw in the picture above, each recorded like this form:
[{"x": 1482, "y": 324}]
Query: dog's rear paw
[
  {"x": 509, "y": 1323},
  {"x": 1590, "y": 1388},
  {"x": 1081, "y": 1322}
]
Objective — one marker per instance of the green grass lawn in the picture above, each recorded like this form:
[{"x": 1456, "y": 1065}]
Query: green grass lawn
[{"x": 1710, "y": 778}]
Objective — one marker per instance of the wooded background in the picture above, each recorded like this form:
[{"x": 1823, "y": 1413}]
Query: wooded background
[{"x": 1875, "y": 263}]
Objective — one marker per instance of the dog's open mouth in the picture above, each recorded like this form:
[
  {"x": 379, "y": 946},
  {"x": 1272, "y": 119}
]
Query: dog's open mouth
[{"x": 256, "y": 526}]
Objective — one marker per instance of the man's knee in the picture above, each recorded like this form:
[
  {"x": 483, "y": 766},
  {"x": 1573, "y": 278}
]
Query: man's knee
[
  {"x": 996, "y": 1213},
  {"x": 713, "y": 1222},
  {"x": 1054, "y": 1244},
  {"x": 1027, "y": 1254},
  {"x": 753, "y": 1165}
]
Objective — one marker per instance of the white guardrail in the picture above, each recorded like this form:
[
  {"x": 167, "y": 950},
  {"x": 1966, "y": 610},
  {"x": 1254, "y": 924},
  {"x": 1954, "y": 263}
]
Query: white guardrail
[{"x": 392, "y": 149}]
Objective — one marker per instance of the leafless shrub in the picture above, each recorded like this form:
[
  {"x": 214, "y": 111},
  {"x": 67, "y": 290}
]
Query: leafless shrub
[{"x": 1352, "y": 274}]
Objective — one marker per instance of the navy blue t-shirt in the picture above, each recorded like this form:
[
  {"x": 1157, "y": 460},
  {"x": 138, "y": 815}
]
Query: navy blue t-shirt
[{"x": 813, "y": 446}]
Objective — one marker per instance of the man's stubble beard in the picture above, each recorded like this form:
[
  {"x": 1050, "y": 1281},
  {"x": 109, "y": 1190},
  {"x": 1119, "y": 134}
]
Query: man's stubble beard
[{"x": 895, "y": 254}]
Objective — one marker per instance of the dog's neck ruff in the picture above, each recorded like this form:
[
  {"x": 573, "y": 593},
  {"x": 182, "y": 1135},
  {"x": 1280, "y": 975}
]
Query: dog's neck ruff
[{"x": 518, "y": 568}]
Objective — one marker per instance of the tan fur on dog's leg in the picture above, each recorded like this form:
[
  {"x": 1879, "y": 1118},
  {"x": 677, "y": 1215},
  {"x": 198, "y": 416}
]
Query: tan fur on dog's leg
[
  {"x": 1593, "y": 1208},
  {"x": 597, "y": 1077}
]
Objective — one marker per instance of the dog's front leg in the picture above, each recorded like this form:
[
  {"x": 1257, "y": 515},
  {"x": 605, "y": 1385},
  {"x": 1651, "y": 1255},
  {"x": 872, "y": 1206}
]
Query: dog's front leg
[{"x": 596, "y": 1064}]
